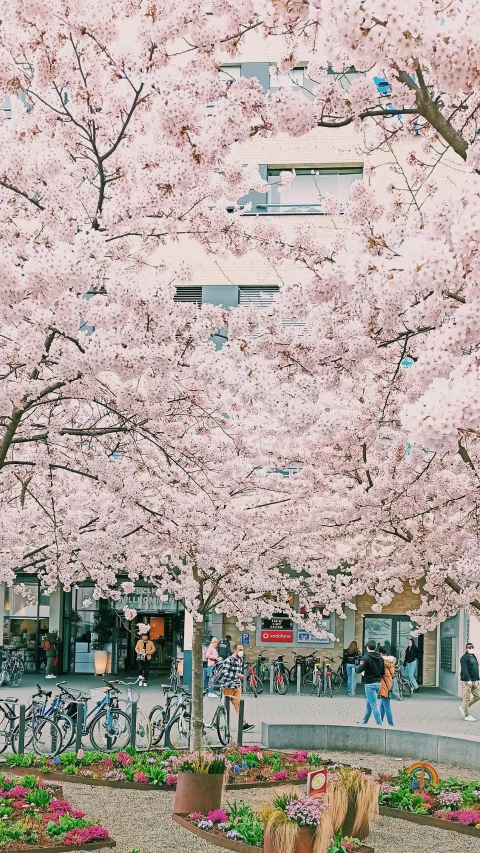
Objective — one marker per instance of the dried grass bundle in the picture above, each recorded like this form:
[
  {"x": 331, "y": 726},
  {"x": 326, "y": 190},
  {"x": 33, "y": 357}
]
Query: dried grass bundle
[
  {"x": 282, "y": 834},
  {"x": 323, "y": 834},
  {"x": 366, "y": 792},
  {"x": 337, "y": 799}
]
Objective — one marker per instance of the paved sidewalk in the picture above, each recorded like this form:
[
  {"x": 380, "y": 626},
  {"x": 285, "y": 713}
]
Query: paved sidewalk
[{"x": 430, "y": 710}]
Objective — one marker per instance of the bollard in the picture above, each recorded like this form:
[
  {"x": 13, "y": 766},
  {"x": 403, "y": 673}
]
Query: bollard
[
  {"x": 80, "y": 718},
  {"x": 227, "y": 708},
  {"x": 21, "y": 730},
  {"x": 299, "y": 679},
  {"x": 240, "y": 722},
  {"x": 272, "y": 668},
  {"x": 244, "y": 683},
  {"x": 133, "y": 726}
]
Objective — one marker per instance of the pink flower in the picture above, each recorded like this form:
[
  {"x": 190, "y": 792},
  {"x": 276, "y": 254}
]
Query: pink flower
[
  {"x": 141, "y": 777},
  {"x": 218, "y": 816},
  {"x": 302, "y": 774},
  {"x": 260, "y": 756},
  {"x": 281, "y": 774},
  {"x": 107, "y": 762},
  {"x": 77, "y": 837},
  {"x": 196, "y": 816},
  {"x": 172, "y": 779},
  {"x": 18, "y": 791},
  {"x": 80, "y": 753},
  {"x": 123, "y": 758}
]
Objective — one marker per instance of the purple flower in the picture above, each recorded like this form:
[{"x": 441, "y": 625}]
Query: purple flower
[
  {"x": 306, "y": 812},
  {"x": 465, "y": 816},
  {"x": 235, "y": 835},
  {"x": 56, "y": 760},
  {"x": 449, "y": 798},
  {"x": 205, "y": 824},
  {"x": 244, "y": 765},
  {"x": 236, "y": 768}
]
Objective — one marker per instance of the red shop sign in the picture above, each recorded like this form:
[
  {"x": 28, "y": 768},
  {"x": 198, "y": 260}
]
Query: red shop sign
[
  {"x": 269, "y": 636},
  {"x": 317, "y": 783}
]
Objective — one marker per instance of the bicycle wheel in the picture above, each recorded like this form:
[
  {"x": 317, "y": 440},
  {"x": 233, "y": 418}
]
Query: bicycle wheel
[
  {"x": 158, "y": 724},
  {"x": 223, "y": 729},
  {"x": 252, "y": 685},
  {"x": 264, "y": 672},
  {"x": 178, "y": 730},
  {"x": 406, "y": 687},
  {"x": 329, "y": 686},
  {"x": 309, "y": 684},
  {"x": 259, "y": 685},
  {"x": 319, "y": 685},
  {"x": 292, "y": 674},
  {"x": 67, "y": 727},
  {"x": 5, "y": 731},
  {"x": 335, "y": 682},
  {"x": 399, "y": 689},
  {"x": 46, "y": 737},
  {"x": 17, "y": 673},
  {"x": 282, "y": 684},
  {"x": 110, "y": 730},
  {"x": 143, "y": 732}
]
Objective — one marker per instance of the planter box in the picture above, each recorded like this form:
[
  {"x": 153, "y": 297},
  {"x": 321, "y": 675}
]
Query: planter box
[
  {"x": 219, "y": 839},
  {"x": 59, "y": 848},
  {"x": 198, "y": 792},
  {"x": 429, "y": 820}
]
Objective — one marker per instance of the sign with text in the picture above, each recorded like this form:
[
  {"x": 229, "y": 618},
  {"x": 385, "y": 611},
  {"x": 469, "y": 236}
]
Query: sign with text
[
  {"x": 267, "y": 635},
  {"x": 317, "y": 783},
  {"x": 245, "y": 639}
]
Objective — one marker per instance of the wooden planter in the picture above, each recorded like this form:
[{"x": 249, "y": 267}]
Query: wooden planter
[
  {"x": 219, "y": 839},
  {"x": 198, "y": 792},
  {"x": 349, "y": 822},
  {"x": 62, "y": 848},
  {"x": 429, "y": 820},
  {"x": 304, "y": 841}
]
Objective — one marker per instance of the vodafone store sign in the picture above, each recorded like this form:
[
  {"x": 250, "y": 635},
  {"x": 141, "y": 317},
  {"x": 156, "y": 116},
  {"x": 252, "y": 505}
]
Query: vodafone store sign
[{"x": 269, "y": 635}]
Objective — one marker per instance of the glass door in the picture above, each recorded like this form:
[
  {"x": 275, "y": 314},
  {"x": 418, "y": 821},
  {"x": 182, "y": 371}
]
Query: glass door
[{"x": 393, "y": 632}]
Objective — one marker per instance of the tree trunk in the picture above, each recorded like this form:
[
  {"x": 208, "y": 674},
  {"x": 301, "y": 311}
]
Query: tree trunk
[{"x": 197, "y": 686}]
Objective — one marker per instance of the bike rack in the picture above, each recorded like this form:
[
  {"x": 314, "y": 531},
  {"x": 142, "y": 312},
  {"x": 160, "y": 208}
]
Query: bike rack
[
  {"x": 272, "y": 670},
  {"x": 299, "y": 679},
  {"x": 21, "y": 730},
  {"x": 133, "y": 725}
]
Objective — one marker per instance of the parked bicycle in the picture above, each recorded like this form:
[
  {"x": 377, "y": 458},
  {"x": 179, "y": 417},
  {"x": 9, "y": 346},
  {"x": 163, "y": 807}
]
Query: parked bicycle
[
  {"x": 262, "y": 669},
  {"x": 280, "y": 676},
  {"x": 108, "y": 727},
  {"x": 253, "y": 682},
  {"x": 306, "y": 663},
  {"x": 143, "y": 728},
  {"x": 160, "y": 715},
  {"x": 12, "y": 668},
  {"x": 179, "y": 727},
  {"x": 175, "y": 681},
  {"x": 42, "y": 736},
  {"x": 55, "y": 710}
]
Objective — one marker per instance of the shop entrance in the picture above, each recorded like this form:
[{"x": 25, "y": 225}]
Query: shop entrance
[
  {"x": 393, "y": 632},
  {"x": 163, "y": 636}
]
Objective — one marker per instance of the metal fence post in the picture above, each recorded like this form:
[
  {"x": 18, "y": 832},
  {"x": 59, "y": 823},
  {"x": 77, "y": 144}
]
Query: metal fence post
[
  {"x": 299, "y": 678},
  {"x": 80, "y": 716},
  {"x": 133, "y": 726},
  {"x": 21, "y": 730},
  {"x": 240, "y": 722},
  {"x": 227, "y": 709},
  {"x": 271, "y": 677}
]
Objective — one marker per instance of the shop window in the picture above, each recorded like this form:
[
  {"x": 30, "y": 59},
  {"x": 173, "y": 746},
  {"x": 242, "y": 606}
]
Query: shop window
[
  {"x": 308, "y": 187},
  {"x": 26, "y": 623}
]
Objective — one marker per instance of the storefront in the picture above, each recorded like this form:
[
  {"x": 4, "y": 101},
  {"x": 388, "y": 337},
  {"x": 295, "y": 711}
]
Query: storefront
[{"x": 27, "y": 617}]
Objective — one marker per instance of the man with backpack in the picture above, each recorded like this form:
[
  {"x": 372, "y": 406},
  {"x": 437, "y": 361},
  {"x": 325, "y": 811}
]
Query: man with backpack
[
  {"x": 224, "y": 650},
  {"x": 229, "y": 676},
  {"x": 372, "y": 666}
]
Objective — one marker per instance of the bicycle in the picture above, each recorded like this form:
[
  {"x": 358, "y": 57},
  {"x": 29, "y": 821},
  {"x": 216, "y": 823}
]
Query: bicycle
[
  {"x": 160, "y": 716},
  {"x": 306, "y": 662},
  {"x": 280, "y": 677},
  {"x": 178, "y": 729},
  {"x": 108, "y": 727},
  {"x": 175, "y": 683},
  {"x": 42, "y": 736},
  {"x": 12, "y": 669},
  {"x": 263, "y": 669},
  {"x": 404, "y": 688},
  {"x": 143, "y": 727},
  {"x": 254, "y": 684},
  {"x": 55, "y": 711}
]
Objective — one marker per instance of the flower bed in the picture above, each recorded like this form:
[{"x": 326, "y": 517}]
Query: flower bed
[
  {"x": 247, "y": 767},
  {"x": 451, "y": 804},
  {"x": 240, "y": 828},
  {"x": 32, "y": 817}
]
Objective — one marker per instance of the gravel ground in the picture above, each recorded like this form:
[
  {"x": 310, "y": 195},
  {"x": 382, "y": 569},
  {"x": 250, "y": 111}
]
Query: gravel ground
[{"x": 142, "y": 820}]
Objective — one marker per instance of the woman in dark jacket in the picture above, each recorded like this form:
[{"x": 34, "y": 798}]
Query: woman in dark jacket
[
  {"x": 352, "y": 659},
  {"x": 410, "y": 659}
]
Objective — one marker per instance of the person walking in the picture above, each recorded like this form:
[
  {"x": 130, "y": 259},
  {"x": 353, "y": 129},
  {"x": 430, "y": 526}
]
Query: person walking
[
  {"x": 351, "y": 657},
  {"x": 372, "y": 667},
  {"x": 386, "y": 684},
  {"x": 51, "y": 648},
  {"x": 410, "y": 659},
  {"x": 469, "y": 676},
  {"x": 144, "y": 651},
  {"x": 224, "y": 649},
  {"x": 231, "y": 678},
  {"x": 212, "y": 657}
]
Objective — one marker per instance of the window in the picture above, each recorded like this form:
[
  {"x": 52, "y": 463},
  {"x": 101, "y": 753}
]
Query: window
[
  {"x": 308, "y": 187},
  {"x": 227, "y": 75},
  {"x": 282, "y": 79},
  {"x": 346, "y": 78},
  {"x": 188, "y": 294},
  {"x": 264, "y": 297}
]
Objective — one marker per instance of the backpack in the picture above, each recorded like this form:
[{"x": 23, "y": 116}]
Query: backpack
[
  {"x": 216, "y": 675},
  {"x": 223, "y": 649}
]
